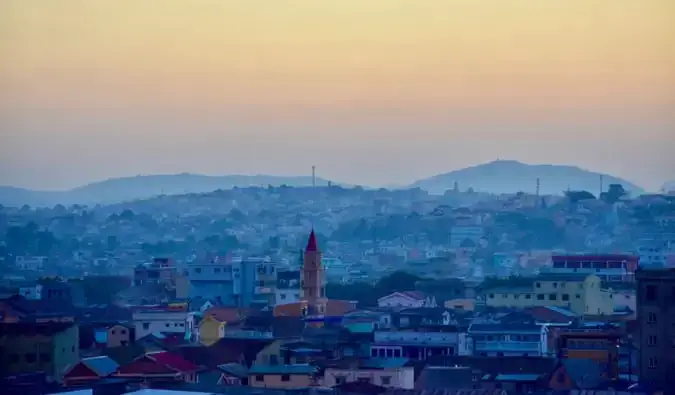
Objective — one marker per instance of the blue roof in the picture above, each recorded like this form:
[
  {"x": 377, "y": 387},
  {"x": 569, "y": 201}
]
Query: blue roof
[
  {"x": 102, "y": 366},
  {"x": 562, "y": 311}
]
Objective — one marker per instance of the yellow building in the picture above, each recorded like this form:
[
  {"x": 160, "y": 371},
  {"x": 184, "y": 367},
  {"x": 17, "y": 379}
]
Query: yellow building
[
  {"x": 580, "y": 294},
  {"x": 211, "y": 330}
]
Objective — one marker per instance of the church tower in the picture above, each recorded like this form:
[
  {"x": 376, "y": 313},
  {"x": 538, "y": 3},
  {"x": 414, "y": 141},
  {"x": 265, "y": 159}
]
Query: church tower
[{"x": 313, "y": 291}]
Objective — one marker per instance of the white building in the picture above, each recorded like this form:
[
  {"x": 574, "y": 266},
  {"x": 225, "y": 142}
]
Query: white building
[
  {"x": 32, "y": 292},
  {"x": 509, "y": 340},
  {"x": 31, "y": 263},
  {"x": 408, "y": 299},
  {"x": 420, "y": 345},
  {"x": 394, "y": 373},
  {"x": 163, "y": 321}
]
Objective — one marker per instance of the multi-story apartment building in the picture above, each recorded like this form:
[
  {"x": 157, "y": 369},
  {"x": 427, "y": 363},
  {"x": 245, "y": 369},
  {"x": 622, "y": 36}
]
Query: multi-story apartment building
[
  {"x": 160, "y": 271},
  {"x": 163, "y": 320},
  {"x": 288, "y": 287},
  {"x": 264, "y": 292},
  {"x": 598, "y": 344},
  {"x": 607, "y": 267},
  {"x": 656, "y": 320},
  {"x": 579, "y": 293},
  {"x": 419, "y": 345},
  {"x": 229, "y": 281},
  {"x": 509, "y": 340}
]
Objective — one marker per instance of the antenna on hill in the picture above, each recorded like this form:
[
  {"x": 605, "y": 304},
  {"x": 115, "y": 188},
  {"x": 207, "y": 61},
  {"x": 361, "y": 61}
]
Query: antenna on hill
[
  {"x": 538, "y": 185},
  {"x": 602, "y": 186},
  {"x": 313, "y": 177}
]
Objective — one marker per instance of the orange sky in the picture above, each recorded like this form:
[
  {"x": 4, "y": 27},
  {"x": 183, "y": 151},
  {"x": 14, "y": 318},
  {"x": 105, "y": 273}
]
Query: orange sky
[{"x": 355, "y": 66}]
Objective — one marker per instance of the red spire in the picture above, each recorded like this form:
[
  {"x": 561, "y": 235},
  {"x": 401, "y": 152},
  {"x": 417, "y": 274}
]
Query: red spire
[{"x": 311, "y": 243}]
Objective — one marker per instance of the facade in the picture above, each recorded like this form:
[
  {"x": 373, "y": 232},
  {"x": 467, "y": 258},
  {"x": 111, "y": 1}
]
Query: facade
[
  {"x": 601, "y": 346},
  {"x": 656, "y": 320},
  {"x": 388, "y": 373},
  {"x": 159, "y": 271},
  {"x": 31, "y": 292},
  {"x": 288, "y": 287},
  {"x": 264, "y": 292},
  {"x": 113, "y": 336},
  {"x": 418, "y": 345},
  {"x": 607, "y": 267},
  {"x": 147, "y": 322},
  {"x": 32, "y": 347},
  {"x": 281, "y": 376},
  {"x": 509, "y": 340},
  {"x": 231, "y": 282},
  {"x": 579, "y": 293}
]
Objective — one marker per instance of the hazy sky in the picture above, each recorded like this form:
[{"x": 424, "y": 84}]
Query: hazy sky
[{"x": 370, "y": 91}]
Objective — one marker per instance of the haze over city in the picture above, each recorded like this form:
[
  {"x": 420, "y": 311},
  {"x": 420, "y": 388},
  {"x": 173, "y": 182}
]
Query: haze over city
[{"x": 373, "y": 93}]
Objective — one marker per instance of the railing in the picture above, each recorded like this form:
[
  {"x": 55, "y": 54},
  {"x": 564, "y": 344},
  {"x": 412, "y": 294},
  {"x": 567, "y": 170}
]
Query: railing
[
  {"x": 520, "y": 346},
  {"x": 248, "y": 334}
]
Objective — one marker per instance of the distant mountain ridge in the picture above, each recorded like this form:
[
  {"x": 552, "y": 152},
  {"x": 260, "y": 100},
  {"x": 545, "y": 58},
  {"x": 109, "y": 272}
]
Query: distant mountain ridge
[
  {"x": 668, "y": 186},
  {"x": 122, "y": 189},
  {"x": 510, "y": 176}
]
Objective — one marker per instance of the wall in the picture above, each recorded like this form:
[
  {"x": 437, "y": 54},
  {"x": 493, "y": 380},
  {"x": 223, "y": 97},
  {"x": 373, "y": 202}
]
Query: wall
[
  {"x": 148, "y": 322},
  {"x": 276, "y": 381},
  {"x": 403, "y": 378},
  {"x": 210, "y": 331},
  {"x": 66, "y": 350},
  {"x": 118, "y": 336}
]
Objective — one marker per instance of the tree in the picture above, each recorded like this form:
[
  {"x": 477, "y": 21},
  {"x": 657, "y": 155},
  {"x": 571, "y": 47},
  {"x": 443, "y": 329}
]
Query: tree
[
  {"x": 614, "y": 193},
  {"x": 577, "y": 196},
  {"x": 397, "y": 282},
  {"x": 127, "y": 215}
]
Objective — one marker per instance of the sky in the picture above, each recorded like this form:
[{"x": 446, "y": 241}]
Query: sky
[{"x": 372, "y": 92}]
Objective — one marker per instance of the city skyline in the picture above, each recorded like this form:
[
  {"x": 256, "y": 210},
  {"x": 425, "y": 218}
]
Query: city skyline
[{"x": 376, "y": 93}]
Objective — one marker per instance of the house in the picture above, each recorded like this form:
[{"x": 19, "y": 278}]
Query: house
[
  {"x": 600, "y": 345},
  {"x": 512, "y": 339},
  {"x": 31, "y": 291},
  {"x": 385, "y": 372},
  {"x": 115, "y": 335},
  {"x": 419, "y": 345},
  {"x": 18, "y": 308},
  {"x": 30, "y": 347},
  {"x": 162, "y": 320},
  {"x": 282, "y": 376},
  {"x": 582, "y": 294},
  {"x": 212, "y": 326},
  {"x": 159, "y": 366},
  {"x": 90, "y": 369},
  {"x": 409, "y": 299},
  {"x": 233, "y": 374}
]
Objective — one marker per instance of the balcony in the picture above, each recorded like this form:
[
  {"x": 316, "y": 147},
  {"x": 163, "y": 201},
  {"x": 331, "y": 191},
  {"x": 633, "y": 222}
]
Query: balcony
[
  {"x": 248, "y": 334},
  {"x": 506, "y": 346}
]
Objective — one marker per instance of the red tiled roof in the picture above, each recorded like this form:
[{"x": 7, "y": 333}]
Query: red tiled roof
[
  {"x": 161, "y": 362},
  {"x": 173, "y": 361},
  {"x": 311, "y": 243}
]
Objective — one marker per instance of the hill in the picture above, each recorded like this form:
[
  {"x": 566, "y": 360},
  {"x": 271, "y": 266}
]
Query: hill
[
  {"x": 508, "y": 176},
  {"x": 117, "y": 190}
]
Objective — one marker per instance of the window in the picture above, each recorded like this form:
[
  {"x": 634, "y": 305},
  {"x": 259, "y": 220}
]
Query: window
[
  {"x": 500, "y": 354},
  {"x": 340, "y": 380},
  {"x": 651, "y": 318},
  {"x": 113, "y": 331},
  {"x": 198, "y": 270},
  {"x": 538, "y": 285},
  {"x": 216, "y": 270},
  {"x": 565, "y": 297},
  {"x": 491, "y": 296},
  {"x": 540, "y": 297},
  {"x": 553, "y": 297},
  {"x": 650, "y": 293},
  {"x": 146, "y": 325},
  {"x": 581, "y": 286},
  {"x": 259, "y": 377},
  {"x": 555, "y": 285},
  {"x": 30, "y": 357},
  {"x": 578, "y": 296},
  {"x": 285, "y": 377},
  {"x": 653, "y": 363},
  {"x": 651, "y": 340},
  {"x": 167, "y": 325},
  {"x": 45, "y": 358},
  {"x": 123, "y": 331},
  {"x": 283, "y": 296},
  {"x": 528, "y": 296},
  {"x": 385, "y": 380},
  {"x": 562, "y": 285}
]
